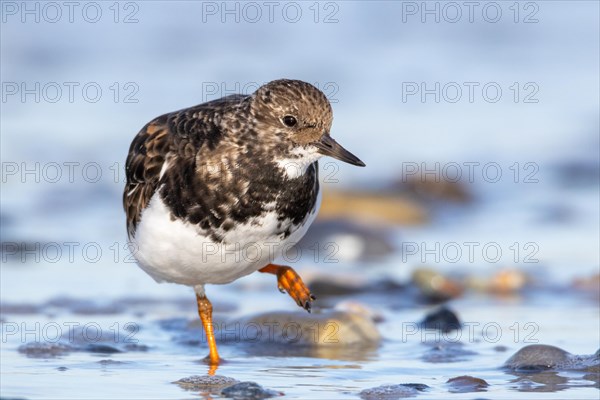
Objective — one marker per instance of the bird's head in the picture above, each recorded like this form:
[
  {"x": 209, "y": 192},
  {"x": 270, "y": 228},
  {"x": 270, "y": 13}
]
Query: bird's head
[{"x": 298, "y": 114}]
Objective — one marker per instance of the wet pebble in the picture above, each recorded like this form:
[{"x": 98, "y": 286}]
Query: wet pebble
[
  {"x": 326, "y": 328},
  {"x": 537, "y": 357},
  {"x": 503, "y": 282},
  {"x": 108, "y": 362},
  {"x": 99, "y": 348},
  {"x": 84, "y": 340},
  {"x": 205, "y": 382},
  {"x": 434, "y": 286},
  {"x": 541, "y": 357},
  {"x": 391, "y": 392},
  {"x": 442, "y": 319},
  {"x": 248, "y": 391},
  {"x": 467, "y": 384},
  {"x": 44, "y": 350}
]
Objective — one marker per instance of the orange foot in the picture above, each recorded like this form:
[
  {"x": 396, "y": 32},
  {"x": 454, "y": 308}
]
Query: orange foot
[{"x": 289, "y": 281}]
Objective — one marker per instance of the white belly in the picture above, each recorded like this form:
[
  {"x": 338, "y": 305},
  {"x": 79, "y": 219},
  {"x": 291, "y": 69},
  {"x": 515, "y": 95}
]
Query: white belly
[{"x": 175, "y": 251}]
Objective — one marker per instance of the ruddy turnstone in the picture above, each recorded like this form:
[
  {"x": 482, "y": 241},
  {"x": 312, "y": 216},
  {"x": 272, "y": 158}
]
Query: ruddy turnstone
[{"x": 215, "y": 191}]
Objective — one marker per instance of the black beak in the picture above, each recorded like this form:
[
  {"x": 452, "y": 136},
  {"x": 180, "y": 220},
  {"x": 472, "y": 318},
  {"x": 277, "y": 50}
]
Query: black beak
[{"x": 329, "y": 147}]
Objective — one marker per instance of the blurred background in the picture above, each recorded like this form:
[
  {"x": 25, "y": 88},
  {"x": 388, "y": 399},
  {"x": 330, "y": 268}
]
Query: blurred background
[{"x": 478, "y": 123}]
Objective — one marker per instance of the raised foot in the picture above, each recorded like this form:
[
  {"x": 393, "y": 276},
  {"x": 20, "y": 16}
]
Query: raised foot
[{"x": 289, "y": 281}]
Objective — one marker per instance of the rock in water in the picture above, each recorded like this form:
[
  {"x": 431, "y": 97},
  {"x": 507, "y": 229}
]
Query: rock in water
[
  {"x": 392, "y": 392},
  {"x": 44, "y": 350},
  {"x": 538, "y": 357},
  {"x": 205, "y": 382},
  {"x": 329, "y": 328},
  {"x": 467, "y": 384},
  {"x": 248, "y": 391},
  {"x": 442, "y": 319},
  {"x": 434, "y": 286}
]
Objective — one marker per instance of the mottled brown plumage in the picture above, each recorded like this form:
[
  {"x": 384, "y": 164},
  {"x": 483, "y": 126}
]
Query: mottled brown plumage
[
  {"x": 220, "y": 166},
  {"x": 209, "y": 180}
]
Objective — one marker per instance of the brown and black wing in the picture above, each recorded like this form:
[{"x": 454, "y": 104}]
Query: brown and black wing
[
  {"x": 147, "y": 155},
  {"x": 177, "y": 138}
]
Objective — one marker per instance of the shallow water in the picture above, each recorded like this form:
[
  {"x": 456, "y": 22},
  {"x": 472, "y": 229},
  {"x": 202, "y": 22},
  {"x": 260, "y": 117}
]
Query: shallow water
[
  {"x": 73, "y": 267},
  {"x": 494, "y": 327}
]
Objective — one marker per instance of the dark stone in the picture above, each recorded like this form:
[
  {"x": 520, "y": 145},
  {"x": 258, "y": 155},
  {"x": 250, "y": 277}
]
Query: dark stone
[
  {"x": 538, "y": 357},
  {"x": 541, "y": 357},
  {"x": 44, "y": 350},
  {"x": 442, "y": 319},
  {"x": 86, "y": 340},
  {"x": 392, "y": 392},
  {"x": 100, "y": 348},
  {"x": 467, "y": 384},
  {"x": 205, "y": 382},
  {"x": 417, "y": 386},
  {"x": 248, "y": 391},
  {"x": 111, "y": 362},
  {"x": 136, "y": 347}
]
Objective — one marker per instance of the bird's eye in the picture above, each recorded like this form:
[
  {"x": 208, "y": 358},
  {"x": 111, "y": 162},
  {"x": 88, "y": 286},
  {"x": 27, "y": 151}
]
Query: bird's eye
[{"x": 290, "y": 121}]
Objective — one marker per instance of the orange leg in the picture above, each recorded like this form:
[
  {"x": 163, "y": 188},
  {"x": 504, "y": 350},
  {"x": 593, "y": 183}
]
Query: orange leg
[
  {"x": 205, "y": 311},
  {"x": 289, "y": 281}
]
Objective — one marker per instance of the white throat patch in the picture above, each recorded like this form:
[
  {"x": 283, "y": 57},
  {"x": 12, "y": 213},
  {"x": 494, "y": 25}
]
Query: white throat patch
[{"x": 295, "y": 166}]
